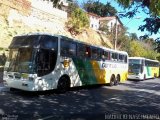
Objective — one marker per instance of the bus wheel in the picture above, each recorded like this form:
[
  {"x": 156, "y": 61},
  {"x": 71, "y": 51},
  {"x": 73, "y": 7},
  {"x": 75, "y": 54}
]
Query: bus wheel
[
  {"x": 117, "y": 81},
  {"x": 63, "y": 84},
  {"x": 112, "y": 80},
  {"x": 155, "y": 75},
  {"x": 144, "y": 77}
]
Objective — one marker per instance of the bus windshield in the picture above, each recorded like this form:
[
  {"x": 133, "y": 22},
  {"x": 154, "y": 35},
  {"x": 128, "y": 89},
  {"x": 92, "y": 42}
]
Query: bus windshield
[
  {"x": 135, "y": 66},
  {"x": 32, "y": 54},
  {"x": 20, "y": 60}
]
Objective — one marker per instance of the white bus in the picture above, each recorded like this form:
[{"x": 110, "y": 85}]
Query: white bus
[
  {"x": 39, "y": 62},
  {"x": 141, "y": 68}
]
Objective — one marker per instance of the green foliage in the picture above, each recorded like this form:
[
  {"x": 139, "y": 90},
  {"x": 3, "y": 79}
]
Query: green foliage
[
  {"x": 78, "y": 21},
  {"x": 104, "y": 27},
  {"x": 56, "y": 4},
  {"x": 154, "y": 7},
  {"x": 71, "y": 7},
  {"x": 138, "y": 48},
  {"x": 99, "y": 8},
  {"x": 123, "y": 43},
  {"x": 152, "y": 23},
  {"x": 124, "y": 3},
  {"x": 133, "y": 36}
]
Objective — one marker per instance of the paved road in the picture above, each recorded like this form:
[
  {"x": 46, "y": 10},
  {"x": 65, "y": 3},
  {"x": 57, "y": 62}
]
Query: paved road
[{"x": 129, "y": 100}]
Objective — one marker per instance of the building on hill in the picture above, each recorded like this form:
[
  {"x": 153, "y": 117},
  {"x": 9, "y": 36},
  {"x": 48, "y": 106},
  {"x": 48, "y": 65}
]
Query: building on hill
[
  {"x": 111, "y": 22},
  {"x": 97, "y": 22},
  {"x": 94, "y": 21}
]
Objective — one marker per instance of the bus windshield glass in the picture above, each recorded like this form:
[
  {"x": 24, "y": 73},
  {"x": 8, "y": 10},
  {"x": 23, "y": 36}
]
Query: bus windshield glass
[
  {"x": 20, "y": 60},
  {"x": 135, "y": 66}
]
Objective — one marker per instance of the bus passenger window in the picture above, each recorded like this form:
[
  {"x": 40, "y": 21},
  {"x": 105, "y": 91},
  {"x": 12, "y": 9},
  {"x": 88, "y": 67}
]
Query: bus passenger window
[
  {"x": 88, "y": 52},
  {"x": 81, "y": 51},
  {"x": 112, "y": 56},
  {"x": 98, "y": 54},
  {"x": 94, "y": 53},
  {"x": 125, "y": 59},
  {"x": 68, "y": 48},
  {"x": 121, "y": 58},
  {"x": 105, "y": 55},
  {"x": 116, "y": 57}
]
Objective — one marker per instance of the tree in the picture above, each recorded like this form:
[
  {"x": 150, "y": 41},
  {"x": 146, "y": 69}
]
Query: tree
[
  {"x": 150, "y": 7},
  {"x": 133, "y": 36},
  {"x": 152, "y": 23},
  {"x": 78, "y": 21},
  {"x": 56, "y": 3},
  {"x": 71, "y": 7},
  {"x": 104, "y": 27},
  {"x": 59, "y": 3},
  {"x": 99, "y": 8}
]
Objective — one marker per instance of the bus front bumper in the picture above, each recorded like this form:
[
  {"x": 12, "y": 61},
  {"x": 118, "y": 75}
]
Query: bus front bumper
[{"x": 135, "y": 77}]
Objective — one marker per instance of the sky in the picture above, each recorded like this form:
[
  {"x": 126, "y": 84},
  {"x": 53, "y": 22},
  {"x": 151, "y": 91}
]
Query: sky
[{"x": 133, "y": 23}]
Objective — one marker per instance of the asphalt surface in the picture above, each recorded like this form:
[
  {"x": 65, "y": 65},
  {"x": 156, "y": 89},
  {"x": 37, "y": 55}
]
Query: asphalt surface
[{"x": 130, "y": 100}]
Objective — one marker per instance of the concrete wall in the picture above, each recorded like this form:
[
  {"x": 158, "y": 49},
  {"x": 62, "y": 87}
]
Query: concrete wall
[
  {"x": 42, "y": 14},
  {"x": 23, "y": 16}
]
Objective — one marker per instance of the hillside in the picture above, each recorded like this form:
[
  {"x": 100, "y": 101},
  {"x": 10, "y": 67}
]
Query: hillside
[{"x": 14, "y": 21}]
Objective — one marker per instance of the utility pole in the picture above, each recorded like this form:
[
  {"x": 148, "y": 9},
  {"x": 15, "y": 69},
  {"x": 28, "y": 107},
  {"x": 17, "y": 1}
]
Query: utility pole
[{"x": 116, "y": 34}]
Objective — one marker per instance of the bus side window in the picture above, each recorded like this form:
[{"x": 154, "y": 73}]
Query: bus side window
[
  {"x": 125, "y": 58},
  {"x": 68, "y": 48},
  {"x": 105, "y": 55},
  {"x": 121, "y": 58},
  {"x": 98, "y": 54},
  {"x": 94, "y": 53},
  {"x": 81, "y": 52},
  {"x": 88, "y": 52},
  {"x": 114, "y": 56}
]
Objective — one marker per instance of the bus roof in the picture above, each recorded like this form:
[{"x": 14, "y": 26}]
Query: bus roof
[
  {"x": 143, "y": 58},
  {"x": 78, "y": 41}
]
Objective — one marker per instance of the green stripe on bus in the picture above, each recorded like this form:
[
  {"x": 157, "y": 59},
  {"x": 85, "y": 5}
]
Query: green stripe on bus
[
  {"x": 148, "y": 71},
  {"x": 85, "y": 71}
]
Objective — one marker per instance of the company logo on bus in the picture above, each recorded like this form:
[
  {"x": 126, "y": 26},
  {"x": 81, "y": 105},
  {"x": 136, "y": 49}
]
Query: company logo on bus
[
  {"x": 105, "y": 65},
  {"x": 112, "y": 65}
]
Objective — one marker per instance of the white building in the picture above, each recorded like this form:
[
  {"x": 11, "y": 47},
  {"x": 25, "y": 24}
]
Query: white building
[
  {"x": 94, "y": 21},
  {"x": 111, "y": 23}
]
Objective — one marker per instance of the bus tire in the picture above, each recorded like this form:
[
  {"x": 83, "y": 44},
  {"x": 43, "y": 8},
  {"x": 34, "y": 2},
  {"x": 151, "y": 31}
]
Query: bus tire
[
  {"x": 155, "y": 75},
  {"x": 112, "y": 80},
  {"x": 117, "y": 81},
  {"x": 63, "y": 84},
  {"x": 144, "y": 77}
]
